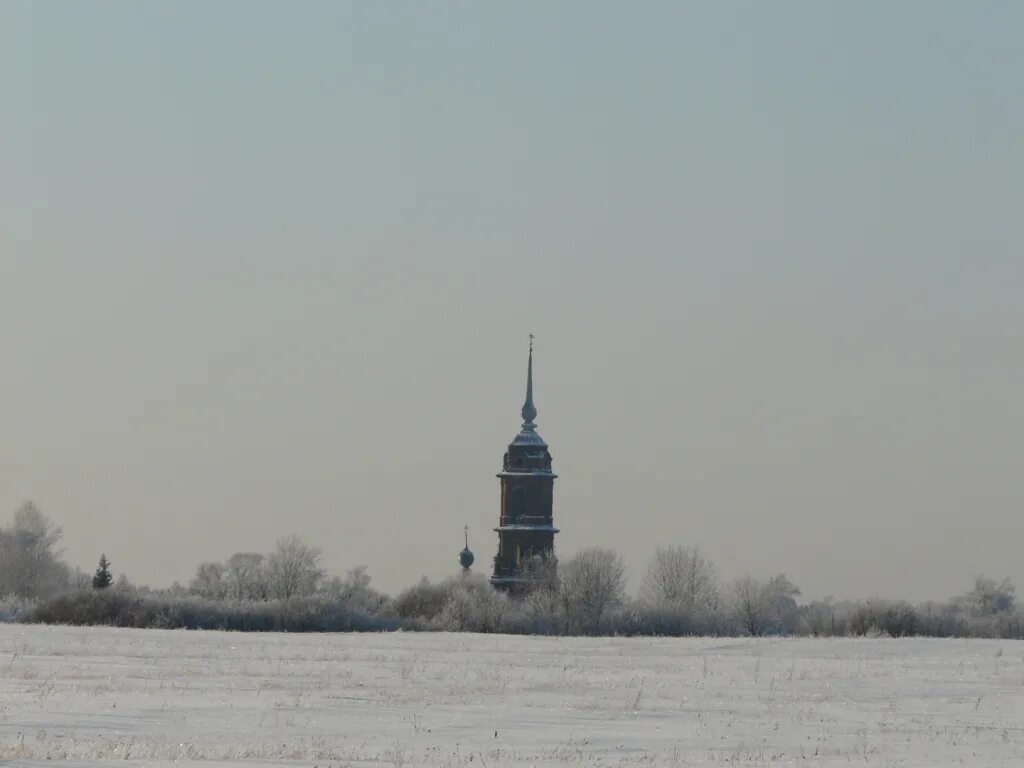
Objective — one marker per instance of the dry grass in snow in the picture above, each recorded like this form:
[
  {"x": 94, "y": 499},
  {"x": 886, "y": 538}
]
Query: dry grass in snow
[{"x": 92, "y": 695}]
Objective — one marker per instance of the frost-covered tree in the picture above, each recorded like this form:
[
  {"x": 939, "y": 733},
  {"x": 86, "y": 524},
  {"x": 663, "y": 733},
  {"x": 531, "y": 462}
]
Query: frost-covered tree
[
  {"x": 539, "y": 603},
  {"x": 989, "y": 598},
  {"x": 30, "y": 563},
  {"x": 102, "y": 578},
  {"x": 209, "y": 581},
  {"x": 293, "y": 568},
  {"x": 245, "y": 576},
  {"x": 781, "y": 596},
  {"x": 681, "y": 579},
  {"x": 540, "y": 572},
  {"x": 820, "y": 617},
  {"x": 79, "y": 579},
  {"x": 762, "y": 607},
  {"x": 749, "y": 605},
  {"x": 424, "y": 600},
  {"x": 354, "y": 591},
  {"x": 473, "y": 605},
  {"x": 591, "y": 582}
]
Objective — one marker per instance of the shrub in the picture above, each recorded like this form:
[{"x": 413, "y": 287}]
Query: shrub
[
  {"x": 424, "y": 600},
  {"x": 473, "y": 605},
  {"x": 114, "y": 608},
  {"x": 15, "y": 609}
]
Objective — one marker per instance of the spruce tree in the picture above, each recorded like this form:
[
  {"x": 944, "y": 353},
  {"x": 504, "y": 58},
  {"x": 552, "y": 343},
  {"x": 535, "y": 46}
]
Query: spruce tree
[{"x": 102, "y": 579}]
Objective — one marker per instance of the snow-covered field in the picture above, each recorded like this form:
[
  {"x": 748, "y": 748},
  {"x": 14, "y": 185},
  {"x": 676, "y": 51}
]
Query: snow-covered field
[{"x": 161, "y": 697}]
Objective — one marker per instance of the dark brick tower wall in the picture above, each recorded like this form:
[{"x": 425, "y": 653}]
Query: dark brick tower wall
[{"x": 526, "y": 526}]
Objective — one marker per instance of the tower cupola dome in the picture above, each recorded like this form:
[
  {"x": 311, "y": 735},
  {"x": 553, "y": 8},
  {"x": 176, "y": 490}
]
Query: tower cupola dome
[{"x": 466, "y": 557}]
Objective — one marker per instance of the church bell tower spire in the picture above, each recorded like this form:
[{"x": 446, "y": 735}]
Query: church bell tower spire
[
  {"x": 529, "y": 411},
  {"x": 526, "y": 527}
]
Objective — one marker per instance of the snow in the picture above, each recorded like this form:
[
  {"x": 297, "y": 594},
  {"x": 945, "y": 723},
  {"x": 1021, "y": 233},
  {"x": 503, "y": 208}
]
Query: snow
[{"x": 95, "y": 695}]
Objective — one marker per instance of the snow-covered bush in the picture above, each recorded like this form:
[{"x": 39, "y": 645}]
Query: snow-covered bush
[
  {"x": 356, "y": 593},
  {"x": 424, "y": 600},
  {"x": 15, "y": 609},
  {"x": 135, "y": 609},
  {"x": 473, "y": 605}
]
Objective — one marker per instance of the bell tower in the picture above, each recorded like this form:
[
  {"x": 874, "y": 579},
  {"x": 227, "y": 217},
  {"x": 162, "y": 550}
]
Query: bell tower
[{"x": 526, "y": 526}]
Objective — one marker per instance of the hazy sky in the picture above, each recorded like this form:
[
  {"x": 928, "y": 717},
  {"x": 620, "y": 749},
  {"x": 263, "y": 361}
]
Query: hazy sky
[{"x": 270, "y": 268}]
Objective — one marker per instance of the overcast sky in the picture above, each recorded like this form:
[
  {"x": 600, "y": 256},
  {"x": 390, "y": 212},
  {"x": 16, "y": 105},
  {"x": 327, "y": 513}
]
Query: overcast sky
[{"x": 270, "y": 269}]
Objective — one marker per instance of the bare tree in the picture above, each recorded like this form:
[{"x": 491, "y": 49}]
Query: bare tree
[
  {"x": 683, "y": 579},
  {"x": 989, "y": 598},
  {"x": 246, "y": 576},
  {"x": 762, "y": 607},
  {"x": 293, "y": 568},
  {"x": 780, "y": 596},
  {"x": 30, "y": 564},
  {"x": 748, "y": 601},
  {"x": 540, "y": 572},
  {"x": 79, "y": 579},
  {"x": 355, "y": 592},
  {"x": 540, "y": 600},
  {"x": 591, "y": 582},
  {"x": 820, "y": 617},
  {"x": 209, "y": 581}
]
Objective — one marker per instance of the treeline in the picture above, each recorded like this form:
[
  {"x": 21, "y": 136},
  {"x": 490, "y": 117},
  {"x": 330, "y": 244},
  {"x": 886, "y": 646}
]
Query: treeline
[{"x": 288, "y": 590}]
